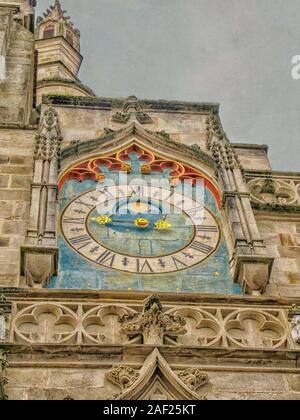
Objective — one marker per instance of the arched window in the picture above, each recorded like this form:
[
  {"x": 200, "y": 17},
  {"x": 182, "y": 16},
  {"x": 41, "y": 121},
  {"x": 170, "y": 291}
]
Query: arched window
[
  {"x": 70, "y": 38},
  {"x": 49, "y": 32}
]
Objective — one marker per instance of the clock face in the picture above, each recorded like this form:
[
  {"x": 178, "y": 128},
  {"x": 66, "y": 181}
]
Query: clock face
[{"x": 145, "y": 234}]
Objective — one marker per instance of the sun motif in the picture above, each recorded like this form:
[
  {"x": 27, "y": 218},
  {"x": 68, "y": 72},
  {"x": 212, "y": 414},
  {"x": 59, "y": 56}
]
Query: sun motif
[{"x": 138, "y": 207}]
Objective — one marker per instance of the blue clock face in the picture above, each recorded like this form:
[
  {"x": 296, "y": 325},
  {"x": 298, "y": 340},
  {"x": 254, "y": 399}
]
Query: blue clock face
[
  {"x": 144, "y": 235},
  {"x": 126, "y": 236}
]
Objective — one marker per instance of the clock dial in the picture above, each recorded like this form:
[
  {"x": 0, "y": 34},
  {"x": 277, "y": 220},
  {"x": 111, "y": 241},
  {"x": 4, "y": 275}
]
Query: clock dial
[{"x": 145, "y": 235}]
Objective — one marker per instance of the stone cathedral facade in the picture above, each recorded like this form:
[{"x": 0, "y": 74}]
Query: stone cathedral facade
[{"x": 191, "y": 305}]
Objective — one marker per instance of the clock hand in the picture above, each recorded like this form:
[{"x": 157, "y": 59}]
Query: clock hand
[{"x": 140, "y": 222}]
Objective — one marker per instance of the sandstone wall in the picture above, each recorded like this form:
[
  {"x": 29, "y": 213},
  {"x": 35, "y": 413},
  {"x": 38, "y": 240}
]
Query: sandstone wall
[
  {"x": 90, "y": 384},
  {"x": 16, "y": 157},
  {"x": 282, "y": 238}
]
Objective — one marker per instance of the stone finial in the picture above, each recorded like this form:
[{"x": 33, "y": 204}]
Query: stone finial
[
  {"x": 132, "y": 110},
  {"x": 152, "y": 324},
  {"x": 56, "y": 11}
]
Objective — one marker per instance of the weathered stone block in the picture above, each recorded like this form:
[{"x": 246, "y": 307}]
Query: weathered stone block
[
  {"x": 294, "y": 382},
  {"x": 9, "y": 269},
  {"x": 75, "y": 378},
  {"x": 8, "y": 280},
  {"x": 20, "y": 160},
  {"x": 7, "y": 194},
  {"x": 20, "y": 181},
  {"x": 4, "y": 159},
  {"x": 13, "y": 169},
  {"x": 14, "y": 227},
  {"x": 4, "y": 180},
  {"x": 289, "y": 251},
  {"x": 4, "y": 242}
]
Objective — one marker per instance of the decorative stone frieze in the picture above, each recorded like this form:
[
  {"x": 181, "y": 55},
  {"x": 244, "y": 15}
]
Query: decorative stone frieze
[
  {"x": 52, "y": 323},
  {"x": 272, "y": 192},
  {"x": 153, "y": 325},
  {"x": 190, "y": 326}
]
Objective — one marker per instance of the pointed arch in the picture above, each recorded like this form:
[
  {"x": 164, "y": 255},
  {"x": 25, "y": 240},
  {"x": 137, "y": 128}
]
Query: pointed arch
[
  {"x": 158, "y": 381},
  {"x": 113, "y": 150}
]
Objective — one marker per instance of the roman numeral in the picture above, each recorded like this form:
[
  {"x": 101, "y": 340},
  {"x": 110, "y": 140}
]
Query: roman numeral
[
  {"x": 178, "y": 264},
  {"x": 194, "y": 210},
  {"x": 107, "y": 193},
  {"x": 106, "y": 257},
  {"x": 82, "y": 203},
  {"x": 73, "y": 220},
  {"x": 142, "y": 268},
  {"x": 202, "y": 228},
  {"x": 82, "y": 241},
  {"x": 198, "y": 246},
  {"x": 137, "y": 190}
]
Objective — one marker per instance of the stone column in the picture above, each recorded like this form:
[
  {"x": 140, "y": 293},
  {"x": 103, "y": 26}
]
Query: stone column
[
  {"x": 40, "y": 253},
  {"x": 252, "y": 266}
]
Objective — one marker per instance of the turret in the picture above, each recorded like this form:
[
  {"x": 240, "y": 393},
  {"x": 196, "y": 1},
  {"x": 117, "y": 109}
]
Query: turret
[{"x": 59, "y": 58}]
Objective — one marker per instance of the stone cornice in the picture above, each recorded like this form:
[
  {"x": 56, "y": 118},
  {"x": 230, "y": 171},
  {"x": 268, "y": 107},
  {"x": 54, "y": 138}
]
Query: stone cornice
[
  {"x": 60, "y": 81},
  {"x": 134, "y": 297},
  {"x": 250, "y": 146},
  {"x": 212, "y": 359},
  {"x": 268, "y": 174},
  {"x": 148, "y": 105},
  {"x": 284, "y": 209}
]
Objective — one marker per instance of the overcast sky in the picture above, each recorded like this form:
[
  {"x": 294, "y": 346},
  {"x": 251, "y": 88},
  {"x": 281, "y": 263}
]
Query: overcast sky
[{"x": 235, "y": 52}]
